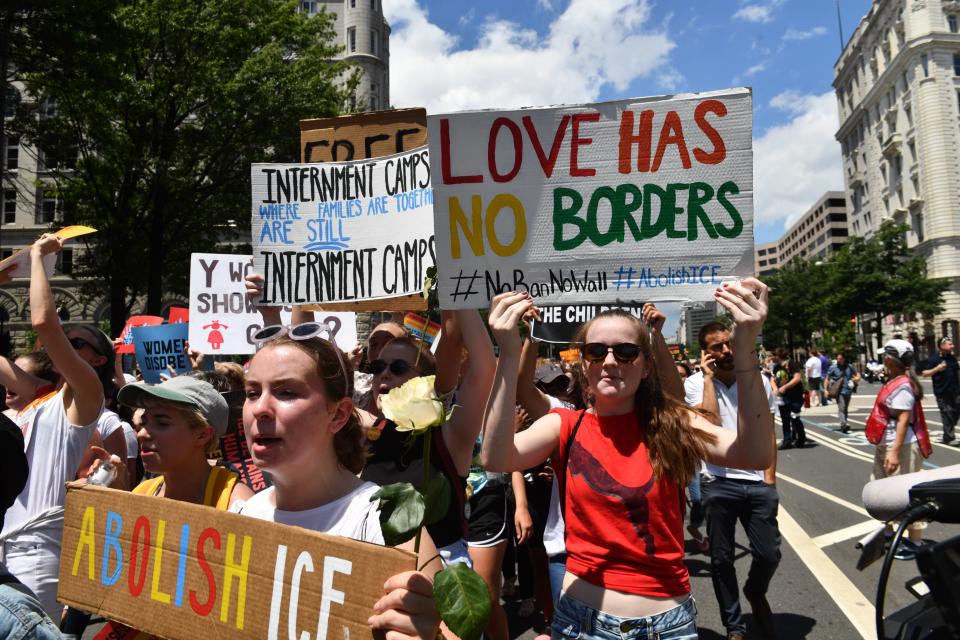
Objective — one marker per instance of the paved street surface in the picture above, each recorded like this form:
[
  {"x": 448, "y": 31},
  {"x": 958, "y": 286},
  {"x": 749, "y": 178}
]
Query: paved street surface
[{"x": 817, "y": 592}]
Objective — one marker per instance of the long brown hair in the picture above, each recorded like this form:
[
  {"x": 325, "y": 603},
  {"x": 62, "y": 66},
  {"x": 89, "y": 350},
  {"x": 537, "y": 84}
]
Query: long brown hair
[{"x": 675, "y": 446}]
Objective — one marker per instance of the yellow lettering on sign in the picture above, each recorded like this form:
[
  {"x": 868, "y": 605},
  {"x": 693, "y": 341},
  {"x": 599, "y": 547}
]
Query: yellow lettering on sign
[
  {"x": 155, "y": 593},
  {"x": 231, "y": 570},
  {"x": 86, "y": 540},
  {"x": 472, "y": 230},
  {"x": 499, "y": 203}
]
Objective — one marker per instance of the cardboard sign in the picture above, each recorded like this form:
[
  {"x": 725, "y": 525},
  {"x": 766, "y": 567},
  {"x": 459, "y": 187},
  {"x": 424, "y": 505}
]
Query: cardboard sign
[
  {"x": 342, "y": 232},
  {"x": 647, "y": 198},
  {"x": 126, "y": 336},
  {"x": 160, "y": 347},
  {"x": 559, "y": 324},
  {"x": 570, "y": 355},
  {"x": 233, "y": 450},
  {"x": 218, "y": 297},
  {"x": 177, "y": 315},
  {"x": 362, "y": 136},
  {"x": 19, "y": 264},
  {"x": 73, "y": 231},
  {"x": 420, "y": 328},
  {"x": 179, "y": 570}
]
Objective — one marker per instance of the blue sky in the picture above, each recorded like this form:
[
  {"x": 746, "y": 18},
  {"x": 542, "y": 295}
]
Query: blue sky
[{"x": 468, "y": 54}]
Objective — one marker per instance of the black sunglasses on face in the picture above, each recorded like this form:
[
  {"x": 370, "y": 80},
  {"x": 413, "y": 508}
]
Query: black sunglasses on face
[
  {"x": 597, "y": 351},
  {"x": 397, "y": 367}
]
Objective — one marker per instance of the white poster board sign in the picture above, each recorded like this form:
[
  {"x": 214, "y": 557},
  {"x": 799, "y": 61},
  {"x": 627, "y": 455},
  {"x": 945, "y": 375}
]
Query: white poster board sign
[
  {"x": 343, "y": 231},
  {"x": 222, "y": 318},
  {"x": 644, "y": 199}
]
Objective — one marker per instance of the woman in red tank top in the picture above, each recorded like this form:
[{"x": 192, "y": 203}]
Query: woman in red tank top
[{"x": 623, "y": 463}]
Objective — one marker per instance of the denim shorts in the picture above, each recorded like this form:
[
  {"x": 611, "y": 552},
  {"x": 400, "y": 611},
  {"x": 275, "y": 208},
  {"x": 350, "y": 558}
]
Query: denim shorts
[{"x": 574, "y": 620}]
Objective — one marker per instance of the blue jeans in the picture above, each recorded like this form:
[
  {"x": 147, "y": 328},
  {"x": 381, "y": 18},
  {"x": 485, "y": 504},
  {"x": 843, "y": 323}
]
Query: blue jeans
[
  {"x": 696, "y": 502},
  {"x": 558, "y": 568},
  {"x": 574, "y": 620},
  {"x": 22, "y": 617}
]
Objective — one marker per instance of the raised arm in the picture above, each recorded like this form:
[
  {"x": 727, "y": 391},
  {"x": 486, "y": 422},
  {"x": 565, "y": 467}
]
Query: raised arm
[
  {"x": 749, "y": 447},
  {"x": 533, "y": 401},
  {"x": 502, "y": 451},
  {"x": 83, "y": 396},
  {"x": 449, "y": 352},
  {"x": 709, "y": 401},
  {"x": 17, "y": 380},
  {"x": 254, "y": 285},
  {"x": 670, "y": 382},
  {"x": 462, "y": 429}
]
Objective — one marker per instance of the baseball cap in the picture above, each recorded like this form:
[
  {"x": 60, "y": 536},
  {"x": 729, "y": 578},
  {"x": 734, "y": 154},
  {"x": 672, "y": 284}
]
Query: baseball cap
[
  {"x": 899, "y": 349},
  {"x": 185, "y": 390},
  {"x": 547, "y": 373}
]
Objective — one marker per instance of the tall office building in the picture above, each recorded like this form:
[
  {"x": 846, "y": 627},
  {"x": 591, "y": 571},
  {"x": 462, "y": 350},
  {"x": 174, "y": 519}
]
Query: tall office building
[{"x": 898, "y": 89}]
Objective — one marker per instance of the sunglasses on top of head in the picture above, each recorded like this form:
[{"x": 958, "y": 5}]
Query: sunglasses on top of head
[
  {"x": 303, "y": 331},
  {"x": 597, "y": 351},
  {"x": 397, "y": 367}
]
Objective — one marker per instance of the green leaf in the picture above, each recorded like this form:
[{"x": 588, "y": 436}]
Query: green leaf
[
  {"x": 436, "y": 498},
  {"x": 463, "y": 600},
  {"x": 401, "y": 512}
]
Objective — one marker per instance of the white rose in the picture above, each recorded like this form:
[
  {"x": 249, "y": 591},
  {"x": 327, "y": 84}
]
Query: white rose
[{"x": 414, "y": 405}]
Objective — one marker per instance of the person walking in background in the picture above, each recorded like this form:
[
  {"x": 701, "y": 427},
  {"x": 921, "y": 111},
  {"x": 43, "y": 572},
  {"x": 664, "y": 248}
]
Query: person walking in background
[
  {"x": 825, "y": 365},
  {"x": 843, "y": 375},
  {"x": 943, "y": 368},
  {"x": 813, "y": 370},
  {"x": 731, "y": 495},
  {"x": 789, "y": 387},
  {"x": 899, "y": 430}
]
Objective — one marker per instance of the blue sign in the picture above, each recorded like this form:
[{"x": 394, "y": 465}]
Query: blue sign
[{"x": 160, "y": 349}]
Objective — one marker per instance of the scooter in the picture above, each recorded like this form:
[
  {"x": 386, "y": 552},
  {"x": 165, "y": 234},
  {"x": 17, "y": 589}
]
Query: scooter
[{"x": 875, "y": 372}]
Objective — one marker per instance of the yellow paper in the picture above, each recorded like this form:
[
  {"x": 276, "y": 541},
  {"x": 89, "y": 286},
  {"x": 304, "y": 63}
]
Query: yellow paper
[{"x": 74, "y": 231}]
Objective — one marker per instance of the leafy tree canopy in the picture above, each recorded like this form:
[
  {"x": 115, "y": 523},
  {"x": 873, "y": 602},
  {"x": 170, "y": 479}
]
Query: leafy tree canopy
[{"x": 153, "y": 111}]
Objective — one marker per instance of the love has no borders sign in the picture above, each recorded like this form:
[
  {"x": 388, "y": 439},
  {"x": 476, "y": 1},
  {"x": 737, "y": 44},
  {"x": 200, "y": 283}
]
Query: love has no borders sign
[
  {"x": 184, "y": 571},
  {"x": 645, "y": 199}
]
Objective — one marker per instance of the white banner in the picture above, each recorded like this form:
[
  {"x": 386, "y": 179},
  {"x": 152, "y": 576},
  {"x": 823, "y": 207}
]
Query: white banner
[
  {"x": 222, "y": 318},
  {"x": 644, "y": 199},
  {"x": 343, "y": 232}
]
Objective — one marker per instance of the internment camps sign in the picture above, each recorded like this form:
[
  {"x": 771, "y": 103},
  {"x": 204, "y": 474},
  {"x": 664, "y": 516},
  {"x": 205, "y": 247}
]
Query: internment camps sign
[
  {"x": 343, "y": 232},
  {"x": 645, "y": 199}
]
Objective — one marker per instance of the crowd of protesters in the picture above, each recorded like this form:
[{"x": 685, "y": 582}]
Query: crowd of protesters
[{"x": 536, "y": 454}]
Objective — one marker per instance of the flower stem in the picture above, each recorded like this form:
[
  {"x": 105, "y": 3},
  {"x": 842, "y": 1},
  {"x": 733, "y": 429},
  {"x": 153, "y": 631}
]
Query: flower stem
[{"x": 426, "y": 480}]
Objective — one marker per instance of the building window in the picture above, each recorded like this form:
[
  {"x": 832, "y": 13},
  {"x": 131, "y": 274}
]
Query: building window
[
  {"x": 373, "y": 5},
  {"x": 952, "y": 23},
  {"x": 925, "y": 63},
  {"x": 374, "y": 97},
  {"x": 9, "y": 206},
  {"x": 47, "y": 208},
  {"x": 912, "y": 147},
  {"x": 65, "y": 261},
  {"x": 956, "y": 64},
  {"x": 352, "y": 39},
  {"x": 918, "y": 226},
  {"x": 374, "y": 42},
  {"x": 908, "y": 112},
  {"x": 11, "y": 153},
  {"x": 762, "y": 252},
  {"x": 11, "y": 102},
  {"x": 353, "y": 4}
]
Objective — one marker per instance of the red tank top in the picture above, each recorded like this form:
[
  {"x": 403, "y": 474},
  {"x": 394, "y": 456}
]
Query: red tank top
[{"x": 624, "y": 529}]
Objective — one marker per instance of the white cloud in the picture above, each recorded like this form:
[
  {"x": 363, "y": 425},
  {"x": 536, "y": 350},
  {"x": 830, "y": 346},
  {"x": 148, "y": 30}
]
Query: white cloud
[
  {"x": 546, "y": 5},
  {"x": 670, "y": 79},
  {"x": 793, "y": 34},
  {"x": 755, "y": 69},
  {"x": 588, "y": 46},
  {"x": 761, "y": 12},
  {"x": 794, "y": 163}
]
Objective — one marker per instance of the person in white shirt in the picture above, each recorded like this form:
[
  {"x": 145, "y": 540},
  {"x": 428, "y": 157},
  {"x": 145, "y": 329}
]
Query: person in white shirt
[
  {"x": 814, "y": 378},
  {"x": 301, "y": 427}
]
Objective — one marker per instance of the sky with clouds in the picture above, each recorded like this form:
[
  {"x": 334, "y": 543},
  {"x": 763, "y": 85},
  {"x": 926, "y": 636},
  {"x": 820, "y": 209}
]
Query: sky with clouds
[{"x": 470, "y": 54}]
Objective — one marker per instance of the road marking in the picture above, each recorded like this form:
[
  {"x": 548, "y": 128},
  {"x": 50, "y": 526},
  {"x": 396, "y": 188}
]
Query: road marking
[
  {"x": 934, "y": 437},
  {"x": 847, "y": 533},
  {"x": 824, "y": 494},
  {"x": 845, "y": 449},
  {"x": 848, "y": 598}
]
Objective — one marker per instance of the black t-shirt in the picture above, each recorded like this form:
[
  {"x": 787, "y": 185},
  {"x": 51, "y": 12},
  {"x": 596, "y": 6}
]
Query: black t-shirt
[
  {"x": 945, "y": 383},
  {"x": 782, "y": 374}
]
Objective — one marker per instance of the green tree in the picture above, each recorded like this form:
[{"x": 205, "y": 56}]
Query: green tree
[
  {"x": 150, "y": 113},
  {"x": 879, "y": 276},
  {"x": 795, "y": 304}
]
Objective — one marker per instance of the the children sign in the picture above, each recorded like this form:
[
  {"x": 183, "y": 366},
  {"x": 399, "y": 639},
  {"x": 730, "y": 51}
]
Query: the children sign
[
  {"x": 179, "y": 570},
  {"x": 343, "y": 232},
  {"x": 647, "y": 198}
]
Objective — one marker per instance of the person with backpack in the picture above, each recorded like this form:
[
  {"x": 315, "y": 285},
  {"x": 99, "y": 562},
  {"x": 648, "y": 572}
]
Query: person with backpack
[{"x": 842, "y": 379}]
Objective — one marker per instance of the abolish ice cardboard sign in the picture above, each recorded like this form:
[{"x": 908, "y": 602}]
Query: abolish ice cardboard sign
[
  {"x": 343, "y": 232},
  {"x": 646, "y": 199},
  {"x": 179, "y": 570}
]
